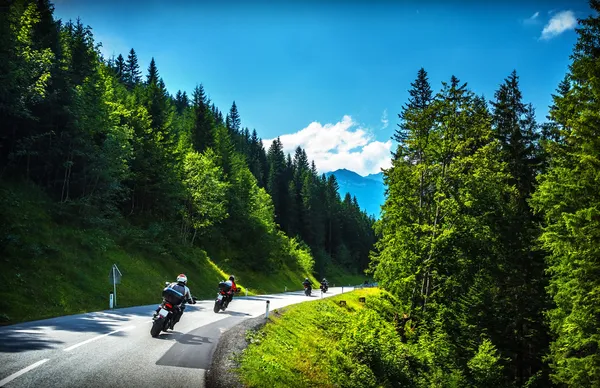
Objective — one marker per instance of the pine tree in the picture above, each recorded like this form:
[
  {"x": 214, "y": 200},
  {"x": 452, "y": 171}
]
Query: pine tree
[
  {"x": 152, "y": 77},
  {"x": 522, "y": 284},
  {"x": 132, "y": 72},
  {"x": 276, "y": 184},
  {"x": 120, "y": 69},
  {"x": 233, "y": 122},
  {"x": 203, "y": 136}
]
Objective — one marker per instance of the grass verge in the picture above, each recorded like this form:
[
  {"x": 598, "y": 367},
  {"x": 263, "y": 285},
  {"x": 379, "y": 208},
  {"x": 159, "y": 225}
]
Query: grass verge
[{"x": 325, "y": 344}]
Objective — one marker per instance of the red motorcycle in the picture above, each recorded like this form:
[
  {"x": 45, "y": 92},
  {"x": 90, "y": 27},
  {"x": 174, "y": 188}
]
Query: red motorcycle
[{"x": 223, "y": 297}]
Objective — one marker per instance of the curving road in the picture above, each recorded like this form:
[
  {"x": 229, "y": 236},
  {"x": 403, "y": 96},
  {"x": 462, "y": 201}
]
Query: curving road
[{"x": 114, "y": 348}]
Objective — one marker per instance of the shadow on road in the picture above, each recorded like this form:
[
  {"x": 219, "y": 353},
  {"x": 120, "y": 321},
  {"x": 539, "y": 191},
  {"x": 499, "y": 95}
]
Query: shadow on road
[
  {"x": 15, "y": 342},
  {"x": 191, "y": 339},
  {"x": 262, "y": 297},
  {"x": 37, "y": 335},
  {"x": 235, "y": 313}
]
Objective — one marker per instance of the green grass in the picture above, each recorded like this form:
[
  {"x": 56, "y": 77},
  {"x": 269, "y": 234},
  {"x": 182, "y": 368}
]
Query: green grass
[
  {"x": 323, "y": 344},
  {"x": 49, "y": 267}
]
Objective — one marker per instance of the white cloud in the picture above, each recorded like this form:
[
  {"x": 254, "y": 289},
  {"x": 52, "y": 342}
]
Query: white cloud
[
  {"x": 559, "y": 23},
  {"x": 384, "y": 119},
  {"x": 344, "y": 144}
]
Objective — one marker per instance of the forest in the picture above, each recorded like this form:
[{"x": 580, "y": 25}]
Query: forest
[
  {"x": 115, "y": 150},
  {"x": 489, "y": 235}
]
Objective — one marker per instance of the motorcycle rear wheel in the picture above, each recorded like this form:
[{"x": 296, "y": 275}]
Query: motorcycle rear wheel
[{"x": 157, "y": 326}]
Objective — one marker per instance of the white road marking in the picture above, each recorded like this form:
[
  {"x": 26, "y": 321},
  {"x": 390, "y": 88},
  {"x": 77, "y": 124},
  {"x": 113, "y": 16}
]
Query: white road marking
[
  {"x": 97, "y": 338},
  {"x": 22, "y": 371}
]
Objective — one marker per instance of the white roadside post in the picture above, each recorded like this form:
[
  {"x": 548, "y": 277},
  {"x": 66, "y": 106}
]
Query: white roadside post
[
  {"x": 114, "y": 284},
  {"x": 110, "y": 300},
  {"x": 267, "y": 312},
  {"x": 115, "y": 278},
  {"x": 246, "y": 291}
]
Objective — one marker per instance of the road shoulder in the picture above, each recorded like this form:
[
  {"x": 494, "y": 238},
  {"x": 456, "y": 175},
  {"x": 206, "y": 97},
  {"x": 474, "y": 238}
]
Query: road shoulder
[{"x": 231, "y": 344}]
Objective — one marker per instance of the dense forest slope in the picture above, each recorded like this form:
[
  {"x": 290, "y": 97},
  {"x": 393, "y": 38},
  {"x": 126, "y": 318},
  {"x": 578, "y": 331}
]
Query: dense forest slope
[{"x": 101, "y": 164}]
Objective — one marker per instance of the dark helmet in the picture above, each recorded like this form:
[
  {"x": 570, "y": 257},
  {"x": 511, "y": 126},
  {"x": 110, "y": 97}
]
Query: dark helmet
[
  {"x": 306, "y": 279},
  {"x": 232, "y": 278}
]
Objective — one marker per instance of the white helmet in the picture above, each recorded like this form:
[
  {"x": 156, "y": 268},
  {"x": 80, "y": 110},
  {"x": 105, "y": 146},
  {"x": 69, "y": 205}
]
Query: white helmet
[{"x": 182, "y": 278}]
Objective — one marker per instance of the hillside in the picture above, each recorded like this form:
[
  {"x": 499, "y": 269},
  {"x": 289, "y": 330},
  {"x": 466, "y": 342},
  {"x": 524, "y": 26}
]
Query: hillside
[{"x": 369, "y": 190}]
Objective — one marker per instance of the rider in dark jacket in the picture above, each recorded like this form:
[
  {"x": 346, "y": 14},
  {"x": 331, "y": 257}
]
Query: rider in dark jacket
[
  {"x": 307, "y": 283},
  {"x": 180, "y": 293}
]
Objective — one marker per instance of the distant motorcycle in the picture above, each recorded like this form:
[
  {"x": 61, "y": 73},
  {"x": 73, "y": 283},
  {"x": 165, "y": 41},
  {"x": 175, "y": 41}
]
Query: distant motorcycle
[
  {"x": 163, "y": 320},
  {"x": 223, "y": 297},
  {"x": 307, "y": 289},
  {"x": 324, "y": 287}
]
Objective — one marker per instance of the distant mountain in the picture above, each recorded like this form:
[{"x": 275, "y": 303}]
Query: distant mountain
[
  {"x": 369, "y": 190},
  {"x": 376, "y": 177}
]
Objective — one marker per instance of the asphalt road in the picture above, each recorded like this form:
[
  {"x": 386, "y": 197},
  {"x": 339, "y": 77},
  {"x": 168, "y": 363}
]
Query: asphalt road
[{"x": 114, "y": 348}]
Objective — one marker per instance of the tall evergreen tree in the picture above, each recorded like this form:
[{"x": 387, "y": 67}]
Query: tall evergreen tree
[
  {"x": 120, "y": 69},
  {"x": 132, "y": 70},
  {"x": 522, "y": 285},
  {"x": 234, "y": 122},
  {"x": 203, "y": 136}
]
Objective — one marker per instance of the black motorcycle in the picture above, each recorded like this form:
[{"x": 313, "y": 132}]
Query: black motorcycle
[
  {"x": 164, "y": 319},
  {"x": 307, "y": 289},
  {"x": 324, "y": 287}
]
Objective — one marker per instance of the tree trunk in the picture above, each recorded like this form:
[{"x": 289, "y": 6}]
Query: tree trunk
[{"x": 194, "y": 236}]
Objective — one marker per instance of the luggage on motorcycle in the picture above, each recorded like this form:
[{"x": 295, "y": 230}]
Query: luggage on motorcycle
[
  {"x": 174, "y": 294},
  {"x": 224, "y": 286}
]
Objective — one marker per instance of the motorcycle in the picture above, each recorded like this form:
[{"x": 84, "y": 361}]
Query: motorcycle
[
  {"x": 223, "y": 297},
  {"x": 164, "y": 319},
  {"x": 324, "y": 287},
  {"x": 307, "y": 289}
]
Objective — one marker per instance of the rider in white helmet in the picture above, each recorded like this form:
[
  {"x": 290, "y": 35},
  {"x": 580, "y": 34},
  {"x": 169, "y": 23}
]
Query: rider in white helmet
[{"x": 180, "y": 291}]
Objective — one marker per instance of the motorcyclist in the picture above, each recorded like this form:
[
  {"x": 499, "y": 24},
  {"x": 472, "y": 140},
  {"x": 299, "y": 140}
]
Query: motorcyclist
[
  {"x": 233, "y": 287},
  {"x": 324, "y": 284},
  {"x": 180, "y": 292},
  {"x": 307, "y": 283}
]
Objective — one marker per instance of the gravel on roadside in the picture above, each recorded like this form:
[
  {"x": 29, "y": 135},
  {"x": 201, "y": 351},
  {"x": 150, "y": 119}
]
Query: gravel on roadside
[{"x": 231, "y": 344}]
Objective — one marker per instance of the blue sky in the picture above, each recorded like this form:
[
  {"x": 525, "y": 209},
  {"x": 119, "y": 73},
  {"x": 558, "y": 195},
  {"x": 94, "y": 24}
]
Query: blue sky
[{"x": 332, "y": 76}]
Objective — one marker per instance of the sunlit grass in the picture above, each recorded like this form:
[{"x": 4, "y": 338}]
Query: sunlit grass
[{"x": 298, "y": 345}]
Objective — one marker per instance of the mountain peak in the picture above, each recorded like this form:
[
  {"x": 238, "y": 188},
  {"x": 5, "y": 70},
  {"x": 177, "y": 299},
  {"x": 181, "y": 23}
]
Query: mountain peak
[
  {"x": 369, "y": 190},
  {"x": 342, "y": 172}
]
